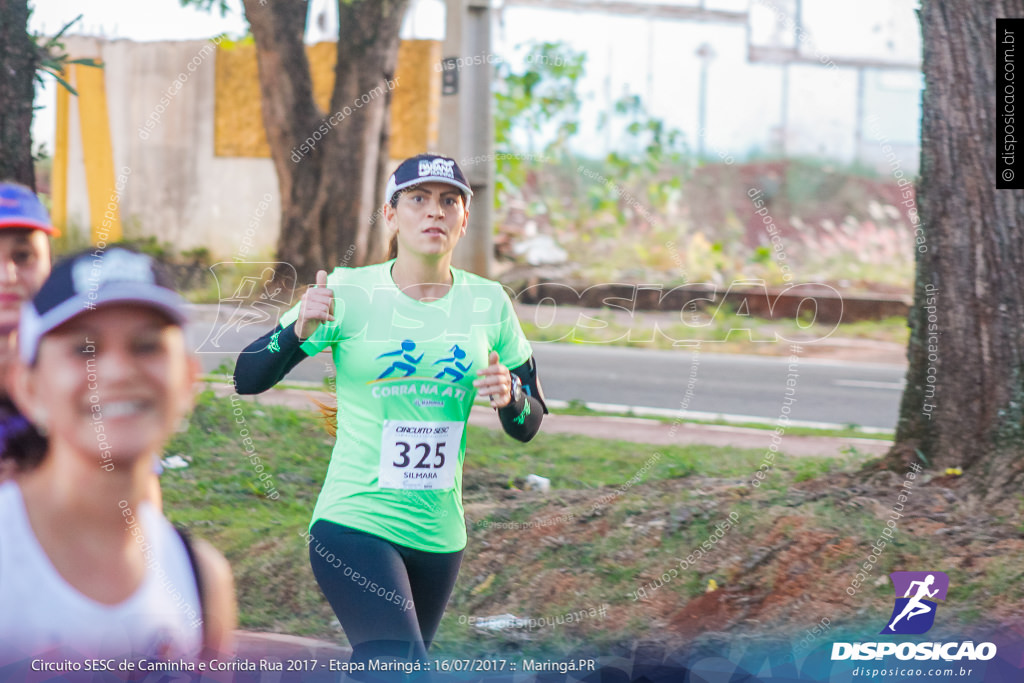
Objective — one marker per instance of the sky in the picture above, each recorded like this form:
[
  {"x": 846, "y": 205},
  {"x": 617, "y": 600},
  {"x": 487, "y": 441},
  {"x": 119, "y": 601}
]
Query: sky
[
  {"x": 625, "y": 55},
  {"x": 155, "y": 20}
]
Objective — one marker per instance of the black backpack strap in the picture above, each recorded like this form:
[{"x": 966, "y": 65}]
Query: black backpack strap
[{"x": 186, "y": 539}]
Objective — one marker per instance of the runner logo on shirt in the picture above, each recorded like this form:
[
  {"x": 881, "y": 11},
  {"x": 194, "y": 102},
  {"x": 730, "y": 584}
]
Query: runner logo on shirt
[
  {"x": 403, "y": 363},
  {"x": 406, "y": 363},
  {"x": 457, "y": 370}
]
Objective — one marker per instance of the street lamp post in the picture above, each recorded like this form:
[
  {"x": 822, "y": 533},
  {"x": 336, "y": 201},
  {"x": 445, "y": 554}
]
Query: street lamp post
[{"x": 706, "y": 54}]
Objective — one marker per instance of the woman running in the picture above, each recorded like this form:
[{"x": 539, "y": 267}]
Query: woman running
[
  {"x": 88, "y": 567},
  {"x": 413, "y": 341},
  {"x": 25, "y": 228}
]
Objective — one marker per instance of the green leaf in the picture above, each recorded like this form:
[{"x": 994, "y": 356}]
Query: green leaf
[
  {"x": 54, "y": 40},
  {"x": 64, "y": 83},
  {"x": 762, "y": 255},
  {"x": 206, "y": 5},
  {"x": 53, "y": 59}
]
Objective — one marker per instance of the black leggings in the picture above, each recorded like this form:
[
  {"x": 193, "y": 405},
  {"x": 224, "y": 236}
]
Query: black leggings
[{"x": 388, "y": 598}]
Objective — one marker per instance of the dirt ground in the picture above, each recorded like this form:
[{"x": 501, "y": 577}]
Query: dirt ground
[{"x": 784, "y": 569}]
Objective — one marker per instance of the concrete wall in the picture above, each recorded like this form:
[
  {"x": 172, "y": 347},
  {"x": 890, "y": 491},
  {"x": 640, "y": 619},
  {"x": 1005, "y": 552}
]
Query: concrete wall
[
  {"x": 168, "y": 179},
  {"x": 160, "y": 99}
]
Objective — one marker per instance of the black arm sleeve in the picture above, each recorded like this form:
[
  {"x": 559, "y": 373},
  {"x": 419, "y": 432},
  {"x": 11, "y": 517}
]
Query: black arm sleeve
[
  {"x": 521, "y": 419},
  {"x": 263, "y": 363}
]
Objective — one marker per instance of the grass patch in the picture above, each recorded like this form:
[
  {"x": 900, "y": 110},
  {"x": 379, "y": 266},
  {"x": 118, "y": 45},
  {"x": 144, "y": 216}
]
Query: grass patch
[
  {"x": 580, "y": 462},
  {"x": 618, "y": 516},
  {"x": 725, "y": 331},
  {"x": 221, "y": 498},
  {"x": 892, "y": 329}
]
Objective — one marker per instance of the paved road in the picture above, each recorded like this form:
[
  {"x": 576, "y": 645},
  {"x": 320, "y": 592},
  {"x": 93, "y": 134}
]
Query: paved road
[{"x": 825, "y": 391}]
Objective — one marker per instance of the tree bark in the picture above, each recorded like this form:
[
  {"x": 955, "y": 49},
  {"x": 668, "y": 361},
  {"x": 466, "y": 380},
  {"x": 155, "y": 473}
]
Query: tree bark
[
  {"x": 18, "y": 62},
  {"x": 376, "y": 238},
  {"x": 329, "y": 192},
  {"x": 367, "y": 60},
  {"x": 964, "y": 400}
]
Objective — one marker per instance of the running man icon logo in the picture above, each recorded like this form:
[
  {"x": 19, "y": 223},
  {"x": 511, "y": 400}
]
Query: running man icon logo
[{"x": 914, "y": 611}]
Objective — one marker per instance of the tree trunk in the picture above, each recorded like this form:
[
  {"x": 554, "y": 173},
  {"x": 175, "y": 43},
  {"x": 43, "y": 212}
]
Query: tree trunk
[
  {"x": 18, "y": 62},
  {"x": 326, "y": 163},
  {"x": 376, "y": 242},
  {"x": 367, "y": 60},
  {"x": 964, "y": 401}
]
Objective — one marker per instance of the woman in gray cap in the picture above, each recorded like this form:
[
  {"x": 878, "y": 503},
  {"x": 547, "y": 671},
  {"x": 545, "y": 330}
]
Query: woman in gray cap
[{"x": 89, "y": 567}]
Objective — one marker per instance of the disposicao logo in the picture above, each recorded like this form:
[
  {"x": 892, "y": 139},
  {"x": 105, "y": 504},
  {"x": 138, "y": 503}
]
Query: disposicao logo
[{"x": 914, "y": 612}]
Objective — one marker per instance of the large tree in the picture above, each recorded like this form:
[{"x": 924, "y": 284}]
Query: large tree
[
  {"x": 328, "y": 196},
  {"x": 964, "y": 400},
  {"x": 24, "y": 58},
  {"x": 19, "y": 59}
]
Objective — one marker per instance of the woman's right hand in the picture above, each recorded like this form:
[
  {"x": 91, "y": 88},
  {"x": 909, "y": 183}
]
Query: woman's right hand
[{"x": 316, "y": 307}]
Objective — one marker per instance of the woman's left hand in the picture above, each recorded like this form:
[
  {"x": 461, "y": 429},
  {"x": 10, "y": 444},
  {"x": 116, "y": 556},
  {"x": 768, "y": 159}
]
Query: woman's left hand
[{"x": 495, "y": 382}]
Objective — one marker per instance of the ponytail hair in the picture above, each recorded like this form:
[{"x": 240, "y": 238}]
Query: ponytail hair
[
  {"x": 328, "y": 416},
  {"x": 21, "y": 444},
  {"x": 393, "y": 246},
  {"x": 393, "y": 242}
]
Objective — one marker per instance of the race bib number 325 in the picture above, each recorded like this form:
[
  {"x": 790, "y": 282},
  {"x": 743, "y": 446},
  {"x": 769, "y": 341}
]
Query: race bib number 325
[{"x": 419, "y": 456}]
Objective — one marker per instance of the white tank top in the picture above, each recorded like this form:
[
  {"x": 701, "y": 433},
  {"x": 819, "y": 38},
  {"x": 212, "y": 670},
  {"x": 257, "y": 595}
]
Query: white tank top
[{"x": 41, "y": 614}]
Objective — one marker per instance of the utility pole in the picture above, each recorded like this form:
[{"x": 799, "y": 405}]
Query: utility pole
[{"x": 466, "y": 130}]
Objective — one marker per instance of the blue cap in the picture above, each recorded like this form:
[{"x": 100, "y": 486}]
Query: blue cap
[{"x": 21, "y": 208}]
